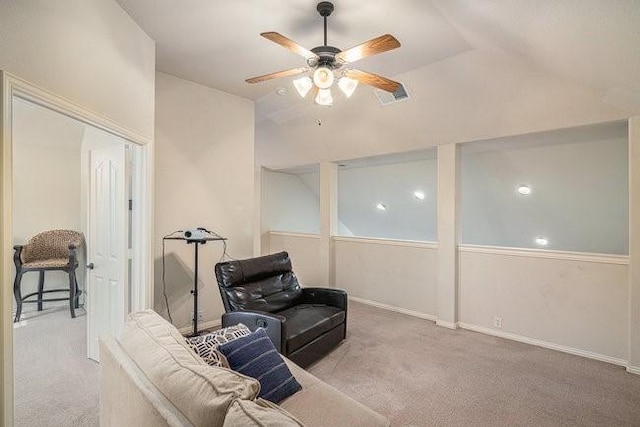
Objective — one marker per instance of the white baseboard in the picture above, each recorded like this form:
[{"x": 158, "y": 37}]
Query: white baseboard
[
  {"x": 393, "y": 308},
  {"x": 633, "y": 370},
  {"x": 211, "y": 324},
  {"x": 445, "y": 324},
  {"x": 545, "y": 344}
]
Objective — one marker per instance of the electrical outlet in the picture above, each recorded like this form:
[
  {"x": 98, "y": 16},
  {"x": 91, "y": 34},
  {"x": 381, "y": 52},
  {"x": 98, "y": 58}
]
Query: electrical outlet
[
  {"x": 497, "y": 322},
  {"x": 200, "y": 315}
]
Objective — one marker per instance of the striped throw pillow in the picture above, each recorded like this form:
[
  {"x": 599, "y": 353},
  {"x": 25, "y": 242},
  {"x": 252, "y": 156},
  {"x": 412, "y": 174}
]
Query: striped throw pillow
[
  {"x": 207, "y": 345},
  {"x": 256, "y": 356}
]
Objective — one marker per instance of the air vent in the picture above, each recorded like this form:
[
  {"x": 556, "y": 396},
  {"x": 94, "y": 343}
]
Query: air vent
[{"x": 386, "y": 98}]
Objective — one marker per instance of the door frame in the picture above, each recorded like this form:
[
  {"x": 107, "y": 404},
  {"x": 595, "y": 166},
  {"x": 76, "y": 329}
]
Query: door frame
[{"x": 142, "y": 221}]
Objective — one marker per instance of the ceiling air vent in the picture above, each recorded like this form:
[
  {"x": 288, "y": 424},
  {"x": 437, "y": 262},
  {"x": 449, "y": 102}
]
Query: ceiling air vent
[{"x": 386, "y": 98}]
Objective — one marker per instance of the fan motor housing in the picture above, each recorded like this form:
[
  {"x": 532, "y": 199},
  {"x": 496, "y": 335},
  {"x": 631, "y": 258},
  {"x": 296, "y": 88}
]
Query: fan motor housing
[{"x": 326, "y": 57}]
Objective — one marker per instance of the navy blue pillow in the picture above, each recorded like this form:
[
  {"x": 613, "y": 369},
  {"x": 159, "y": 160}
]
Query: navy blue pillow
[{"x": 255, "y": 356}]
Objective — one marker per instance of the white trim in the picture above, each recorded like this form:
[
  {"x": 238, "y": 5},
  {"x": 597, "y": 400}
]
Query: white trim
[
  {"x": 544, "y": 253},
  {"x": 544, "y": 344},
  {"x": 387, "y": 242},
  {"x": 633, "y": 370},
  {"x": 211, "y": 324},
  {"x": 448, "y": 325},
  {"x": 25, "y": 90},
  {"x": 6, "y": 363},
  {"x": 13, "y": 86},
  {"x": 395, "y": 309},
  {"x": 290, "y": 234}
]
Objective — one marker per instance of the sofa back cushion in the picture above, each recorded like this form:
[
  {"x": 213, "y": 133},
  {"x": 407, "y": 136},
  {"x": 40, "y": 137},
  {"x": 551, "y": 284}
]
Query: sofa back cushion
[
  {"x": 264, "y": 283},
  {"x": 201, "y": 392}
]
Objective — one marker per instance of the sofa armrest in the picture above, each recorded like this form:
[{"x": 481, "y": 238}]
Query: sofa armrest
[
  {"x": 273, "y": 324},
  {"x": 327, "y": 296}
]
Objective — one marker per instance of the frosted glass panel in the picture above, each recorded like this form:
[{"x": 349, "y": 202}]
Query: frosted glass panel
[
  {"x": 390, "y": 197},
  {"x": 290, "y": 200},
  {"x": 577, "y": 185}
]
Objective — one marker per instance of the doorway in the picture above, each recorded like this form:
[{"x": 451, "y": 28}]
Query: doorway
[{"x": 53, "y": 151}]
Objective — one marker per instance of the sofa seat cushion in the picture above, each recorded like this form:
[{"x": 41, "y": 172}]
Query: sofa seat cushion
[
  {"x": 306, "y": 322},
  {"x": 320, "y": 405},
  {"x": 201, "y": 392}
]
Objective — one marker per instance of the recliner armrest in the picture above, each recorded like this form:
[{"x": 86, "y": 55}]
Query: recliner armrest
[
  {"x": 328, "y": 296},
  {"x": 273, "y": 324}
]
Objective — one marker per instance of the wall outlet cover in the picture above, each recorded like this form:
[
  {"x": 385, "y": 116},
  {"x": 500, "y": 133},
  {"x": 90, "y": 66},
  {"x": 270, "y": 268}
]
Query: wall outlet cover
[{"x": 497, "y": 322}]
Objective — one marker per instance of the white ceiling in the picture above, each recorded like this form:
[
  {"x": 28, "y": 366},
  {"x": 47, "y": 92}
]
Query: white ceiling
[{"x": 216, "y": 43}]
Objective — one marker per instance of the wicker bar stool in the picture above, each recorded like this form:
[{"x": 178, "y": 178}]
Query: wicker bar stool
[{"x": 48, "y": 251}]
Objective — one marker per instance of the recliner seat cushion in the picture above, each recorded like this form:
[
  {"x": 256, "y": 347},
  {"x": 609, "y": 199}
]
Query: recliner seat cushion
[{"x": 306, "y": 322}]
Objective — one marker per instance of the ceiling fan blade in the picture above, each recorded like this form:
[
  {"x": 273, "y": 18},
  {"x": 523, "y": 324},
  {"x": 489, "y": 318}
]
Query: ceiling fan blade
[
  {"x": 372, "y": 47},
  {"x": 289, "y": 44},
  {"x": 285, "y": 73},
  {"x": 373, "y": 80}
]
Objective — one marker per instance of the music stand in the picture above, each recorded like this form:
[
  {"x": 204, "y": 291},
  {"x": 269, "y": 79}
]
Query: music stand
[{"x": 194, "y": 291}]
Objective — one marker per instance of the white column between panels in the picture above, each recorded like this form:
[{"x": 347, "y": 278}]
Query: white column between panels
[
  {"x": 328, "y": 220},
  {"x": 447, "y": 295},
  {"x": 634, "y": 245}
]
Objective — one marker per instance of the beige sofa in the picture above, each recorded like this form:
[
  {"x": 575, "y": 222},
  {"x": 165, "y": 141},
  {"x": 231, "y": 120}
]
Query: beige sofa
[{"x": 152, "y": 378}]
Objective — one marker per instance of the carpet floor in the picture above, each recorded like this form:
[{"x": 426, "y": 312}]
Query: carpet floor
[
  {"x": 418, "y": 374},
  {"x": 406, "y": 368},
  {"x": 54, "y": 382}
]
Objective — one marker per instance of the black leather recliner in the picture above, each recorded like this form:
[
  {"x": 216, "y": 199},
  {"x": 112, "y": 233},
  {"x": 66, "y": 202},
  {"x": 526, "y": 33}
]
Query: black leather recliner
[{"x": 303, "y": 323}]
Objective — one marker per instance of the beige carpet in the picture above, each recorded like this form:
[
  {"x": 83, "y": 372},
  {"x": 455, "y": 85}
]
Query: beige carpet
[
  {"x": 418, "y": 374},
  {"x": 55, "y": 383},
  {"x": 408, "y": 369}
]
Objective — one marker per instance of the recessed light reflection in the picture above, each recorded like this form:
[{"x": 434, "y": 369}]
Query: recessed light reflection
[
  {"x": 524, "y": 190},
  {"x": 381, "y": 207},
  {"x": 418, "y": 194},
  {"x": 542, "y": 241}
]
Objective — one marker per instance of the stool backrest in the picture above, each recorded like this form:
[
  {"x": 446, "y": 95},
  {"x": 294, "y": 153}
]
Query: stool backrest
[{"x": 51, "y": 244}]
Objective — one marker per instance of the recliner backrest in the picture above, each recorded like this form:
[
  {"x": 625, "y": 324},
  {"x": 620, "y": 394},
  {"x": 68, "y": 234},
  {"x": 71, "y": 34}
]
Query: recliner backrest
[{"x": 264, "y": 283}]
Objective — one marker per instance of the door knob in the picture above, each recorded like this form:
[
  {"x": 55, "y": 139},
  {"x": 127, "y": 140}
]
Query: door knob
[{"x": 90, "y": 266}]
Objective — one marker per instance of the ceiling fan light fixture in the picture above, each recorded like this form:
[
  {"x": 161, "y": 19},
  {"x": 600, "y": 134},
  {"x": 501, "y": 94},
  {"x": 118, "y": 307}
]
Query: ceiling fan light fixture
[
  {"x": 323, "y": 77},
  {"x": 347, "y": 86},
  {"x": 324, "y": 97},
  {"x": 303, "y": 85}
]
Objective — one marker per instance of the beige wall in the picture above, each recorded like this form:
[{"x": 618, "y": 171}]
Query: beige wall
[
  {"x": 399, "y": 275},
  {"x": 304, "y": 251},
  {"x": 472, "y": 96},
  {"x": 89, "y": 51},
  {"x": 204, "y": 176},
  {"x": 46, "y": 185},
  {"x": 578, "y": 304}
]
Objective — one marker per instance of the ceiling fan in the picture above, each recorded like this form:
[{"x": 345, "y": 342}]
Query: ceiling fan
[{"x": 329, "y": 63}]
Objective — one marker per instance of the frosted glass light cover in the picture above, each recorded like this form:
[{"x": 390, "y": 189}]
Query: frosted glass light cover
[
  {"x": 324, "y": 97},
  {"x": 323, "y": 77},
  {"x": 524, "y": 190},
  {"x": 303, "y": 85},
  {"x": 542, "y": 241},
  {"x": 347, "y": 85}
]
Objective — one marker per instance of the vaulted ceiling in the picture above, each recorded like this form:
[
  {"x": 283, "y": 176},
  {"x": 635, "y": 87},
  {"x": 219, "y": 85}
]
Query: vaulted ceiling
[
  {"x": 473, "y": 69},
  {"x": 217, "y": 43}
]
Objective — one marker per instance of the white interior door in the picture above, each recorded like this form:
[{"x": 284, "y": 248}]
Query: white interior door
[{"x": 107, "y": 287}]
